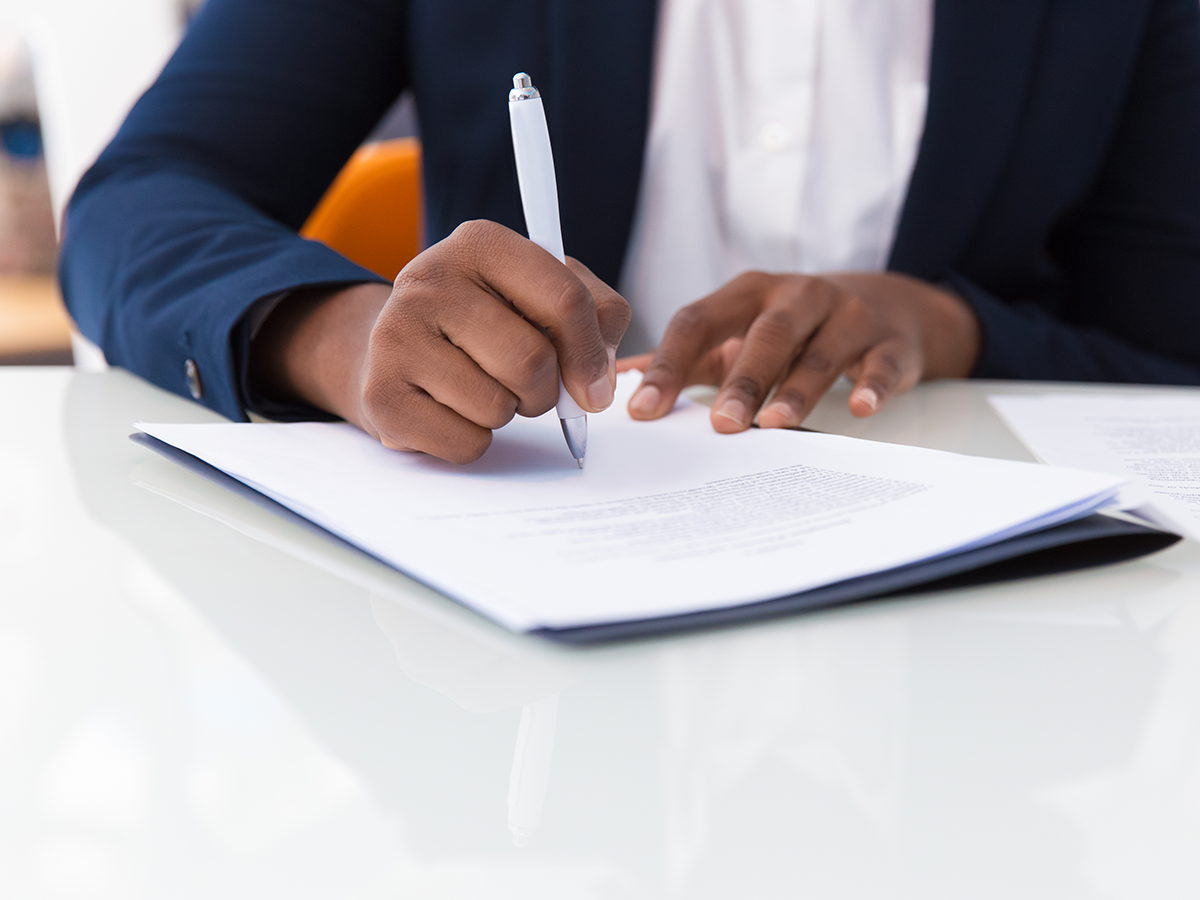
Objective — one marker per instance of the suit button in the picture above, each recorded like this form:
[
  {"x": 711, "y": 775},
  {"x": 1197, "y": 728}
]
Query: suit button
[{"x": 195, "y": 385}]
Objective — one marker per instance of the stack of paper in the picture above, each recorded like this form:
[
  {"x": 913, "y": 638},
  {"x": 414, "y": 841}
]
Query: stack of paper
[
  {"x": 1151, "y": 439},
  {"x": 667, "y": 518}
]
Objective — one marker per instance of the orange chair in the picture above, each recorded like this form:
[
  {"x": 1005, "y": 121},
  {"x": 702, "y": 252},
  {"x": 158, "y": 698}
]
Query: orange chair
[{"x": 371, "y": 213}]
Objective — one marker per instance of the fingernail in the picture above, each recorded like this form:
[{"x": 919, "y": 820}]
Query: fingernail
[
  {"x": 783, "y": 410},
  {"x": 600, "y": 392},
  {"x": 734, "y": 411},
  {"x": 645, "y": 400},
  {"x": 612, "y": 366},
  {"x": 868, "y": 396}
]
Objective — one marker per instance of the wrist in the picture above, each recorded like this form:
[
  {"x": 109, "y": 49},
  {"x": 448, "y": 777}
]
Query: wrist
[
  {"x": 311, "y": 347},
  {"x": 953, "y": 348}
]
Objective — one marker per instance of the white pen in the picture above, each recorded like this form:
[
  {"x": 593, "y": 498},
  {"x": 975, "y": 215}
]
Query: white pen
[{"x": 539, "y": 199}]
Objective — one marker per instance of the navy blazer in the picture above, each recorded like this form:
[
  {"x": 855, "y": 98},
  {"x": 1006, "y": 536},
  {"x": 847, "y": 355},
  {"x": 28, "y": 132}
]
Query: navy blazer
[{"x": 1057, "y": 185}]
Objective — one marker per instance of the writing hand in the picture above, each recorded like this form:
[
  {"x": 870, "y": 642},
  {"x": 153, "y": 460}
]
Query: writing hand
[
  {"x": 798, "y": 334},
  {"x": 473, "y": 332}
]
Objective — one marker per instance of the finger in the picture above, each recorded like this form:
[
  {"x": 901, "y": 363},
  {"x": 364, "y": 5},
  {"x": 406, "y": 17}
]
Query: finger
[
  {"x": 516, "y": 355},
  {"x": 548, "y": 294},
  {"x": 457, "y": 382},
  {"x": 405, "y": 417},
  {"x": 772, "y": 344},
  {"x": 840, "y": 340},
  {"x": 716, "y": 364},
  {"x": 612, "y": 313},
  {"x": 710, "y": 370},
  {"x": 612, "y": 310},
  {"x": 890, "y": 368},
  {"x": 692, "y": 334}
]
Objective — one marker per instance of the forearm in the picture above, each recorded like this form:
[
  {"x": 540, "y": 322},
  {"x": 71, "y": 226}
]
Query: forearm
[
  {"x": 189, "y": 217},
  {"x": 159, "y": 268}
]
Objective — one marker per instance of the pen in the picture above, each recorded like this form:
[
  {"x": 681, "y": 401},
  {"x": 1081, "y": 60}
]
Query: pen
[{"x": 539, "y": 199}]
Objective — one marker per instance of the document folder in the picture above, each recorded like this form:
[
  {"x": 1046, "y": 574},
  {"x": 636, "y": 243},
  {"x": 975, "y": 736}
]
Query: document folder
[{"x": 1093, "y": 540}]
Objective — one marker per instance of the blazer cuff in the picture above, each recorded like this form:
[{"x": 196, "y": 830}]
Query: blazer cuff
[
  {"x": 1024, "y": 340},
  {"x": 218, "y": 346}
]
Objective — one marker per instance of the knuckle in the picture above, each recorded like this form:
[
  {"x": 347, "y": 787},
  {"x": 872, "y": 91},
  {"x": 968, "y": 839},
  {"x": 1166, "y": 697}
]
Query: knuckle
[
  {"x": 401, "y": 333},
  {"x": 746, "y": 385},
  {"x": 794, "y": 397},
  {"x": 853, "y": 306},
  {"x": 474, "y": 231},
  {"x": 474, "y": 241},
  {"x": 573, "y": 301},
  {"x": 788, "y": 286},
  {"x": 533, "y": 363},
  {"x": 664, "y": 370},
  {"x": 890, "y": 364},
  {"x": 498, "y": 407},
  {"x": 386, "y": 391},
  {"x": 828, "y": 289},
  {"x": 429, "y": 271},
  {"x": 753, "y": 280},
  {"x": 805, "y": 291},
  {"x": 468, "y": 448},
  {"x": 689, "y": 321},
  {"x": 614, "y": 313},
  {"x": 580, "y": 271},
  {"x": 776, "y": 326},
  {"x": 887, "y": 370},
  {"x": 817, "y": 361}
]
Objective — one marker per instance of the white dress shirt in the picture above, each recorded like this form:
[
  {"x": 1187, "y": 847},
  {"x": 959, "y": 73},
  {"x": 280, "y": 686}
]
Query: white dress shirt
[{"x": 782, "y": 137}]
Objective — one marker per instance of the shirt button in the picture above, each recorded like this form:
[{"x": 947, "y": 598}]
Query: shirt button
[
  {"x": 774, "y": 137},
  {"x": 195, "y": 385}
]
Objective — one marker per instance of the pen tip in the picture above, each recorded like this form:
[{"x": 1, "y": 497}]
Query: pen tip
[{"x": 580, "y": 461}]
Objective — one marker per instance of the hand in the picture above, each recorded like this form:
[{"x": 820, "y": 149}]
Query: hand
[
  {"x": 798, "y": 334},
  {"x": 473, "y": 331}
]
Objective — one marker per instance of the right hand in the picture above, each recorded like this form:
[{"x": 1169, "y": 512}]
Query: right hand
[{"x": 474, "y": 331}]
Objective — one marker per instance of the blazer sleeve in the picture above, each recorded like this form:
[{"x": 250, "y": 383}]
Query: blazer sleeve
[
  {"x": 1130, "y": 255},
  {"x": 190, "y": 215}
]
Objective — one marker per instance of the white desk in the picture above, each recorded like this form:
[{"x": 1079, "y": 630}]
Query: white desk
[{"x": 189, "y": 710}]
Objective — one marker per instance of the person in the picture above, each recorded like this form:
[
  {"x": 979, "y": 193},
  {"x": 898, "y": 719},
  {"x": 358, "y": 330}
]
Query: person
[{"x": 890, "y": 189}]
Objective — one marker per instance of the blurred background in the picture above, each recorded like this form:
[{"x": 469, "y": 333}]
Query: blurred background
[
  {"x": 69, "y": 72},
  {"x": 33, "y": 326}
]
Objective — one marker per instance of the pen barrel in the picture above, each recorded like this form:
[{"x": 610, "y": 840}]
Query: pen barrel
[
  {"x": 539, "y": 197},
  {"x": 566, "y": 407},
  {"x": 535, "y": 173}
]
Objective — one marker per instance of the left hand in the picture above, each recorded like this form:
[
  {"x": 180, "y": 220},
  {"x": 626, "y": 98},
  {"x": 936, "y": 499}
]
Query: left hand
[{"x": 798, "y": 334}]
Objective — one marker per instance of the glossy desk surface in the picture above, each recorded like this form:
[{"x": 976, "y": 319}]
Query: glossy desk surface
[{"x": 200, "y": 700}]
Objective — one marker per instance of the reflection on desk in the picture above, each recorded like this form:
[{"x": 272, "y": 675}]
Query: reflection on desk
[{"x": 200, "y": 697}]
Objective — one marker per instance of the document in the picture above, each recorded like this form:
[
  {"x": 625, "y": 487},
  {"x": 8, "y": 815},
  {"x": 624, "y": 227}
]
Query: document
[
  {"x": 1153, "y": 440},
  {"x": 666, "y": 518}
]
